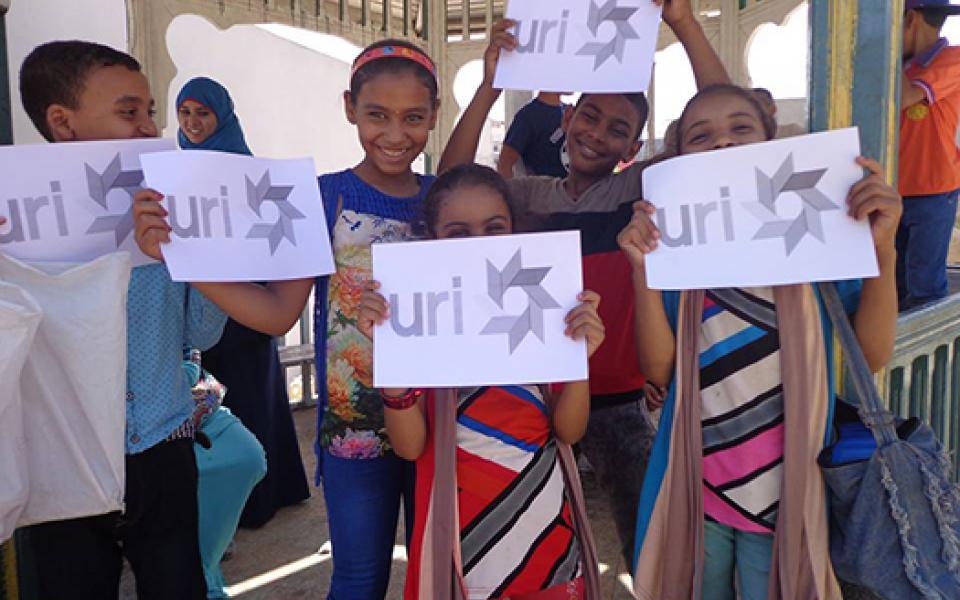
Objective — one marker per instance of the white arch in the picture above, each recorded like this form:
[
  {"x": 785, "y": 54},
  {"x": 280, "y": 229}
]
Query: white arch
[{"x": 777, "y": 55}]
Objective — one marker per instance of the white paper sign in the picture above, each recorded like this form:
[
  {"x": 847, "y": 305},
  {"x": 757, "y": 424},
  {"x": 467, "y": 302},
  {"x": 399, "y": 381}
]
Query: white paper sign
[
  {"x": 487, "y": 311},
  {"x": 761, "y": 214},
  {"x": 239, "y": 218},
  {"x": 71, "y": 202},
  {"x": 580, "y": 46}
]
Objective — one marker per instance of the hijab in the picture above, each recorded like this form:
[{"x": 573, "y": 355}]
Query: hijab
[{"x": 228, "y": 137}]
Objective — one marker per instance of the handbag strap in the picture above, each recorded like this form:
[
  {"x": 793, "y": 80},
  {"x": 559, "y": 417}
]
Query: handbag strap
[{"x": 872, "y": 411}]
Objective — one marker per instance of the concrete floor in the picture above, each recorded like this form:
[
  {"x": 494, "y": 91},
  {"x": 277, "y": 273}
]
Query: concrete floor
[{"x": 290, "y": 558}]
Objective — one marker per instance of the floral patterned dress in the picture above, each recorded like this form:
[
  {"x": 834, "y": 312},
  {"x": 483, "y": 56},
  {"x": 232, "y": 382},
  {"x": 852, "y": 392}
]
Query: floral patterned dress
[{"x": 351, "y": 420}]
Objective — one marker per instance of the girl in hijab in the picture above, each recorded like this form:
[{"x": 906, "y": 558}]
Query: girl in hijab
[{"x": 246, "y": 362}]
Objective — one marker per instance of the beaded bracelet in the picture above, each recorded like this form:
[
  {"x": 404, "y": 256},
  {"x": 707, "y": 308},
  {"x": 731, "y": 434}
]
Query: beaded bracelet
[{"x": 402, "y": 402}]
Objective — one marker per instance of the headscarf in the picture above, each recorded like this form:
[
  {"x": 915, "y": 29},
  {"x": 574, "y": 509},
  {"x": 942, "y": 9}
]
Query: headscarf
[{"x": 228, "y": 137}]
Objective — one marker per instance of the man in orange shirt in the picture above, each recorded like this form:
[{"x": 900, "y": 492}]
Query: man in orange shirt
[{"x": 929, "y": 157}]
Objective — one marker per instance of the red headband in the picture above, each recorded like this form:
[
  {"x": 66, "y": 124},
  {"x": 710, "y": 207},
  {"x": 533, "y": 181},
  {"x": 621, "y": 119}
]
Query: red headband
[{"x": 394, "y": 52}]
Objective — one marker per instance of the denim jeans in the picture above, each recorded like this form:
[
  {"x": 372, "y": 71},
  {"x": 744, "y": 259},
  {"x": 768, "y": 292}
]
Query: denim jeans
[
  {"x": 923, "y": 242},
  {"x": 363, "y": 505},
  {"x": 728, "y": 551}
]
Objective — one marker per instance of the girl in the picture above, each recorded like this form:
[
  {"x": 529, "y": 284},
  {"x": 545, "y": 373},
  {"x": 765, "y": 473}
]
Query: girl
[
  {"x": 245, "y": 360},
  {"x": 234, "y": 462},
  {"x": 506, "y": 445},
  {"x": 733, "y": 480},
  {"x": 393, "y": 101}
]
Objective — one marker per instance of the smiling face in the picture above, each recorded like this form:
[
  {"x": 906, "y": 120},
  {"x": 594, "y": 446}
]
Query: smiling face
[
  {"x": 720, "y": 120},
  {"x": 472, "y": 211},
  {"x": 197, "y": 122},
  {"x": 394, "y": 115},
  {"x": 115, "y": 104},
  {"x": 602, "y": 131}
]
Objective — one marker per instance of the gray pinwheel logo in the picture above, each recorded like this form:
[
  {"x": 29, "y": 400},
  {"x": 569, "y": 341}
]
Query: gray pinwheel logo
[
  {"x": 530, "y": 280},
  {"x": 100, "y": 185},
  {"x": 279, "y": 195},
  {"x": 814, "y": 202},
  {"x": 609, "y": 12}
]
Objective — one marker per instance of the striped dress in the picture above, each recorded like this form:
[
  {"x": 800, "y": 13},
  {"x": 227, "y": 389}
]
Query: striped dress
[
  {"x": 742, "y": 409},
  {"x": 516, "y": 527}
]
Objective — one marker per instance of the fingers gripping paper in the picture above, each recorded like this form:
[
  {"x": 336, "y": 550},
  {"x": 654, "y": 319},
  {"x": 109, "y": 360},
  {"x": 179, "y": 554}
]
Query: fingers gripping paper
[
  {"x": 73, "y": 386},
  {"x": 19, "y": 318}
]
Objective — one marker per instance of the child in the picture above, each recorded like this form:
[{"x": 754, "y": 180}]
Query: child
[
  {"x": 506, "y": 550},
  {"x": 81, "y": 91},
  {"x": 733, "y": 479},
  {"x": 602, "y": 131},
  {"x": 393, "y": 101},
  {"x": 929, "y": 174},
  {"x": 534, "y": 139},
  {"x": 234, "y": 471}
]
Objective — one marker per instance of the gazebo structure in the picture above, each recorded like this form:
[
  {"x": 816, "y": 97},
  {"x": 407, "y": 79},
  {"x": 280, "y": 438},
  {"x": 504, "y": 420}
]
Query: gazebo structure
[
  {"x": 454, "y": 32},
  {"x": 853, "y": 80}
]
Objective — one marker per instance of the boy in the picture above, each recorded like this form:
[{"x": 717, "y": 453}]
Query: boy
[
  {"x": 535, "y": 139},
  {"x": 81, "y": 91},
  {"x": 929, "y": 159},
  {"x": 602, "y": 131}
]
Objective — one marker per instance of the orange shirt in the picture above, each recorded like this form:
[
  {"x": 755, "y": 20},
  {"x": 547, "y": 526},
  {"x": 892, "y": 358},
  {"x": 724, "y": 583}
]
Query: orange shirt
[{"x": 929, "y": 157}]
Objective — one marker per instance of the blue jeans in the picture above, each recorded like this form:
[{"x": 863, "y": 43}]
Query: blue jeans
[
  {"x": 923, "y": 241},
  {"x": 727, "y": 551},
  {"x": 363, "y": 505}
]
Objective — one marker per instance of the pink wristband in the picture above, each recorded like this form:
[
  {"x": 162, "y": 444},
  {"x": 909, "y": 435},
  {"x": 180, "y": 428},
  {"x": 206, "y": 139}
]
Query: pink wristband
[{"x": 403, "y": 402}]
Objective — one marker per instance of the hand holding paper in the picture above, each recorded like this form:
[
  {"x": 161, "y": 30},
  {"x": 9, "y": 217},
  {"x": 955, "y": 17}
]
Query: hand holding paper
[
  {"x": 500, "y": 39},
  {"x": 603, "y": 46},
  {"x": 488, "y": 311},
  {"x": 230, "y": 217},
  {"x": 640, "y": 236},
  {"x": 676, "y": 12},
  {"x": 72, "y": 202},
  {"x": 373, "y": 310},
  {"x": 873, "y": 199},
  {"x": 583, "y": 322},
  {"x": 769, "y": 213},
  {"x": 149, "y": 221}
]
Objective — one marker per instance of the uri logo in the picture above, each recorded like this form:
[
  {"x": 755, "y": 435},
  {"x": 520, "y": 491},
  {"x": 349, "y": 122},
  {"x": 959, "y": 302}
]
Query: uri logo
[
  {"x": 274, "y": 233},
  {"x": 609, "y": 12},
  {"x": 534, "y": 36},
  {"x": 101, "y": 184},
  {"x": 803, "y": 183},
  {"x": 530, "y": 280}
]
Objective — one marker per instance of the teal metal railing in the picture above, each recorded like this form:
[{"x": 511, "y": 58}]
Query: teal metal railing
[{"x": 923, "y": 377}]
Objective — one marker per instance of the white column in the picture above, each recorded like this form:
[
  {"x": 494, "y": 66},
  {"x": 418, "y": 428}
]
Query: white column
[{"x": 513, "y": 101}]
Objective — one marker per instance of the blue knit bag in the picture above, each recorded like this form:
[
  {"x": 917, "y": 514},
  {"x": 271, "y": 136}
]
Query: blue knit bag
[{"x": 895, "y": 514}]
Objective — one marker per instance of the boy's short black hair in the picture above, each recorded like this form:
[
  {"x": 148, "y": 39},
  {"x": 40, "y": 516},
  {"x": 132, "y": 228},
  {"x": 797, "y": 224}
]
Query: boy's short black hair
[
  {"x": 394, "y": 65},
  {"x": 56, "y": 72},
  {"x": 639, "y": 102}
]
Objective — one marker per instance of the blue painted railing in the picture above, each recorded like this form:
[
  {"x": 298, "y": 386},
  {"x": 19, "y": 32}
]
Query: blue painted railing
[{"x": 923, "y": 378}]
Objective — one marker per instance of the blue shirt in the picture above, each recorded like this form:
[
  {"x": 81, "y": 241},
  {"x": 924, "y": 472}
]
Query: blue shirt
[
  {"x": 162, "y": 318},
  {"x": 537, "y": 136}
]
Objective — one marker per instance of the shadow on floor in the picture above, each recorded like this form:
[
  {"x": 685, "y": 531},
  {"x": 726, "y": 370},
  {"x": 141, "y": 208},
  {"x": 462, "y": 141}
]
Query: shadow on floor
[{"x": 289, "y": 557}]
